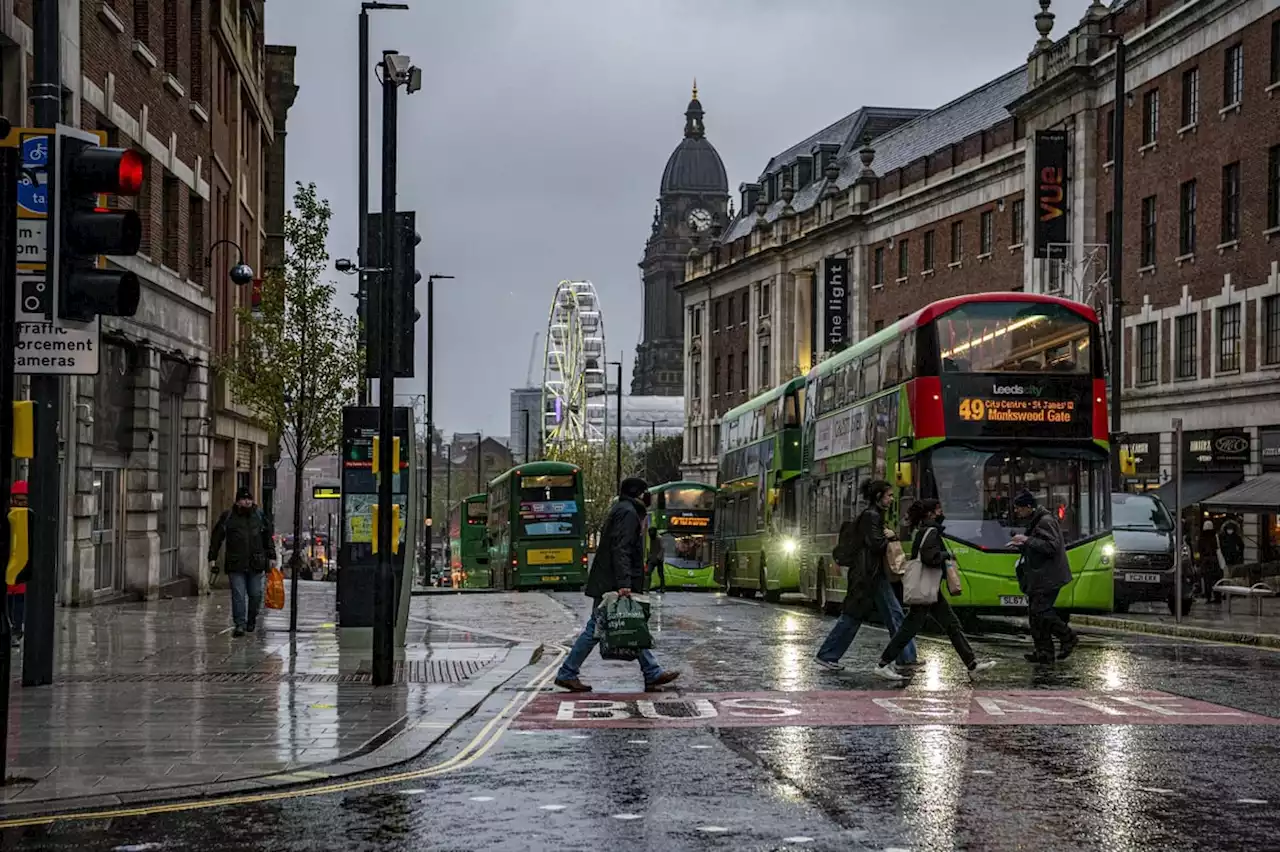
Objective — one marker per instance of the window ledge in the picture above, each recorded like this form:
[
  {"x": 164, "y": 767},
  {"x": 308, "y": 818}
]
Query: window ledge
[
  {"x": 1146, "y": 270},
  {"x": 1190, "y": 128},
  {"x": 1147, "y": 384},
  {"x": 955, "y": 264},
  {"x": 1271, "y": 232},
  {"x": 1190, "y": 257},
  {"x": 143, "y": 55},
  {"x": 199, "y": 112},
  {"x": 1143, "y": 149},
  {"x": 1234, "y": 372},
  {"x": 927, "y": 273},
  {"x": 109, "y": 17},
  {"x": 879, "y": 286},
  {"x": 171, "y": 83},
  {"x": 1108, "y": 165},
  {"x": 984, "y": 257},
  {"x": 1185, "y": 378},
  {"x": 1228, "y": 109},
  {"x": 901, "y": 279},
  {"x": 1016, "y": 247},
  {"x": 1272, "y": 89},
  {"x": 1229, "y": 245}
]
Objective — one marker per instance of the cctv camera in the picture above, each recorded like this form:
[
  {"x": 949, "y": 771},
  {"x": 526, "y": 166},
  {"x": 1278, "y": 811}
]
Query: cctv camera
[
  {"x": 397, "y": 65},
  {"x": 241, "y": 273}
]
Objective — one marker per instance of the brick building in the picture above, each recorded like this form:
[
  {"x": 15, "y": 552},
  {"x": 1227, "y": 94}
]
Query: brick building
[{"x": 139, "y": 434}]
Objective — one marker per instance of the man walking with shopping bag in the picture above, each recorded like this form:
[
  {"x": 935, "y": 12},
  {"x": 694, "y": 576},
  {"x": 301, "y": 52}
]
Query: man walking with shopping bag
[
  {"x": 618, "y": 568},
  {"x": 251, "y": 547}
]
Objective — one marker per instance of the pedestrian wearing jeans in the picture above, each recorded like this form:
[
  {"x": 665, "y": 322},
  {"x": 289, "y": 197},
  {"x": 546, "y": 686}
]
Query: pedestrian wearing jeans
[
  {"x": 1044, "y": 571},
  {"x": 925, "y": 517},
  {"x": 618, "y": 567},
  {"x": 250, "y": 549},
  {"x": 861, "y": 550}
]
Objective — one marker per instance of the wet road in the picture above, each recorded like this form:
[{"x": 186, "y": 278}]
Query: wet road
[{"x": 937, "y": 765}]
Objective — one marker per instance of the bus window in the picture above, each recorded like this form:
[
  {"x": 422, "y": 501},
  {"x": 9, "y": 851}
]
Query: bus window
[
  {"x": 695, "y": 499},
  {"x": 549, "y": 505},
  {"x": 891, "y": 355},
  {"x": 871, "y": 374},
  {"x": 791, "y": 415},
  {"x": 1014, "y": 337}
]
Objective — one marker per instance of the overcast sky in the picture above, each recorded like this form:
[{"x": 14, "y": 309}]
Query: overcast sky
[{"x": 534, "y": 150}]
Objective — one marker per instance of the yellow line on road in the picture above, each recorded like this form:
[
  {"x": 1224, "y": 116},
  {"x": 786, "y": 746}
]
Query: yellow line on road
[{"x": 473, "y": 751}]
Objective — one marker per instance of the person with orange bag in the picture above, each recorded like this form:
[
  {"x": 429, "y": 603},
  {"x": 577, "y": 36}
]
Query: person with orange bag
[
  {"x": 17, "y": 581},
  {"x": 251, "y": 547}
]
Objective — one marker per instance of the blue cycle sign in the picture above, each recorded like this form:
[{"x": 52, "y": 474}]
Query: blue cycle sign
[{"x": 33, "y": 195}]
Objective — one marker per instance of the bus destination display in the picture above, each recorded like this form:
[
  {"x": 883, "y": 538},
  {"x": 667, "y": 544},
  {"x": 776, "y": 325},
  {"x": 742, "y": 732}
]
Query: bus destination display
[
  {"x": 689, "y": 522},
  {"x": 1006, "y": 406}
]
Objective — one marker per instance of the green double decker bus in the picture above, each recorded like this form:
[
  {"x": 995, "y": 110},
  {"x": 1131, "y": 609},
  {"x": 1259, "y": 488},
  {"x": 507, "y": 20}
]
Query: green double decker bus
[
  {"x": 969, "y": 400},
  {"x": 683, "y": 514},
  {"x": 756, "y": 507},
  {"x": 537, "y": 527},
  {"x": 468, "y": 548}
]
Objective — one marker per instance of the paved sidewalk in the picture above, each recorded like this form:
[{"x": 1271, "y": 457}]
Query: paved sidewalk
[
  {"x": 1211, "y": 622},
  {"x": 158, "y": 701}
]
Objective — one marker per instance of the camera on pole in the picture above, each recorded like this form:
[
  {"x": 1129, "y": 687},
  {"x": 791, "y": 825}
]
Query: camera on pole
[{"x": 86, "y": 230}]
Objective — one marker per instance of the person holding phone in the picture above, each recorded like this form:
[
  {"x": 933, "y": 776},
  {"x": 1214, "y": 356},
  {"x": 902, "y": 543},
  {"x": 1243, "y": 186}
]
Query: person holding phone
[{"x": 1045, "y": 570}]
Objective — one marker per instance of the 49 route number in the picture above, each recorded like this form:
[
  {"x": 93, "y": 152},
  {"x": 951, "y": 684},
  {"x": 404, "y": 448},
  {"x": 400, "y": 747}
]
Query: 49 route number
[{"x": 973, "y": 409}]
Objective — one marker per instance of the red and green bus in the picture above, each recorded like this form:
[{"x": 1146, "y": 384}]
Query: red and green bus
[
  {"x": 468, "y": 550},
  {"x": 537, "y": 527},
  {"x": 968, "y": 400}
]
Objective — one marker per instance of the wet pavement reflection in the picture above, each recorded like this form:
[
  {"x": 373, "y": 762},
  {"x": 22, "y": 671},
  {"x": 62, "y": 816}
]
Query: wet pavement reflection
[{"x": 920, "y": 787}]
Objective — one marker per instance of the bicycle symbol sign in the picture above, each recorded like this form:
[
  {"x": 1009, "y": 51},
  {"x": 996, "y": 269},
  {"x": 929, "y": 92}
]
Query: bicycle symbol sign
[{"x": 33, "y": 194}]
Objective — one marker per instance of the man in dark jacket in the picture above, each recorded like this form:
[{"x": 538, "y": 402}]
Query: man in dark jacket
[
  {"x": 618, "y": 567},
  {"x": 251, "y": 547},
  {"x": 1043, "y": 573}
]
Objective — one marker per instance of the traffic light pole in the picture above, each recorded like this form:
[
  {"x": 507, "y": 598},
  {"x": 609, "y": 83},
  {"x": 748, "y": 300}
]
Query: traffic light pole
[
  {"x": 362, "y": 288},
  {"x": 383, "y": 591},
  {"x": 46, "y": 390},
  {"x": 10, "y": 159}
]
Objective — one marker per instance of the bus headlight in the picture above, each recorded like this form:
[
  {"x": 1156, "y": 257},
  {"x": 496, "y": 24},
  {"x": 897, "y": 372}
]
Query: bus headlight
[
  {"x": 789, "y": 545},
  {"x": 1108, "y": 553}
]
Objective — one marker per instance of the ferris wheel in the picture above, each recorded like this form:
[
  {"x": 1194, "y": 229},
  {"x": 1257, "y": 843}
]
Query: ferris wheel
[{"x": 573, "y": 375}]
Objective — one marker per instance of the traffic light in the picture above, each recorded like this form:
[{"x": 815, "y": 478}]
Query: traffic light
[
  {"x": 377, "y": 455},
  {"x": 86, "y": 231},
  {"x": 403, "y": 289},
  {"x": 397, "y": 526},
  {"x": 24, "y": 429}
]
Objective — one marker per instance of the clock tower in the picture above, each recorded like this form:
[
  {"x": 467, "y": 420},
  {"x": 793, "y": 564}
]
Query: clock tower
[{"x": 692, "y": 200}]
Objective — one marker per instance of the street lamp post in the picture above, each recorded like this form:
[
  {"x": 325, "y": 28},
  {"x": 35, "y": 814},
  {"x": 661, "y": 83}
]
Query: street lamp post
[
  {"x": 618, "y": 425},
  {"x": 1115, "y": 258},
  {"x": 431, "y": 375},
  {"x": 653, "y": 439},
  {"x": 362, "y": 292}
]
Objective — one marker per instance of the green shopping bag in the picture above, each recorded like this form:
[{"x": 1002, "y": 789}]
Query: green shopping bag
[{"x": 626, "y": 626}]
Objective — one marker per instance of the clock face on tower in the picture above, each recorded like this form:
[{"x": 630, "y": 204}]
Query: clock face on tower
[{"x": 699, "y": 219}]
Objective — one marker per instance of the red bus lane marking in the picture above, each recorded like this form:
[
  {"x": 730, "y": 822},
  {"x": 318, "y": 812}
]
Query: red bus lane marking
[{"x": 792, "y": 709}]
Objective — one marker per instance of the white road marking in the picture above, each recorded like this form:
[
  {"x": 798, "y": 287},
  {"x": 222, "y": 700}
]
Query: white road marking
[
  {"x": 833, "y": 757},
  {"x": 138, "y": 847},
  {"x": 907, "y": 765},
  {"x": 700, "y": 746},
  {"x": 482, "y": 798},
  {"x": 579, "y": 737},
  {"x": 637, "y": 742},
  {"x": 984, "y": 772},
  {"x": 1251, "y": 801},
  {"x": 800, "y": 838},
  {"x": 1067, "y": 780},
  {"x": 553, "y": 807},
  {"x": 713, "y": 829},
  {"x": 412, "y": 791},
  {"x": 626, "y": 817},
  {"x": 1158, "y": 790}
]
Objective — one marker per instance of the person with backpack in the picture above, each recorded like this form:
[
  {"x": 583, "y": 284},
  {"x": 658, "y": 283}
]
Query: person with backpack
[
  {"x": 861, "y": 550},
  {"x": 251, "y": 548},
  {"x": 1044, "y": 570},
  {"x": 929, "y": 557}
]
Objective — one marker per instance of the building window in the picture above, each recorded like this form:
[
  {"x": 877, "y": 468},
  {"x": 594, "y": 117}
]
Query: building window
[
  {"x": 695, "y": 322},
  {"x": 715, "y": 377},
  {"x": 1187, "y": 219},
  {"x": 746, "y": 373},
  {"x": 764, "y": 300},
  {"x": 1149, "y": 231},
  {"x": 695, "y": 365},
  {"x": 765, "y": 375},
  {"x": 1190, "y": 96},
  {"x": 142, "y": 204},
  {"x": 986, "y": 232},
  {"x": 728, "y": 377},
  {"x": 746, "y": 307},
  {"x": 1150, "y": 116},
  {"x": 1228, "y": 338},
  {"x": 1147, "y": 363},
  {"x": 904, "y": 257},
  {"x": 730, "y": 310},
  {"x": 1273, "y": 187},
  {"x": 195, "y": 239},
  {"x": 1111, "y": 135},
  {"x": 1275, "y": 52},
  {"x": 928, "y": 251},
  {"x": 877, "y": 273},
  {"x": 957, "y": 242},
  {"x": 1186, "y": 343},
  {"x": 1230, "y": 202},
  {"x": 171, "y": 37},
  {"x": 196, "y": 51},
  {"x": 715, "y": 316},
  {"x": 1232, "y": 75},
  {"x": 1271, "y": 330},
  {"x": 1018, "y": 226},
  {"x": 169, "y": 219},
  {"x": 878, "y": 325},
  {"x": 141, "y": 21}
]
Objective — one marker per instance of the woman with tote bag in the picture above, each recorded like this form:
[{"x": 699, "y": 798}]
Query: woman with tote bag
[{"x": 920, "y": 592}]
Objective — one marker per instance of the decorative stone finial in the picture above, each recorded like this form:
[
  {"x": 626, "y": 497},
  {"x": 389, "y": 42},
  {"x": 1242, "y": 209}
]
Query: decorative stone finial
[
  {"x": 832, "y": 171},
  {"x": 867, "y": 155},
  {"x": 695, "y": 88},
  {"x": 762, "y": 206},
  {"x": 1044, "y": 25},
  {"x": 788, "y": 191}
]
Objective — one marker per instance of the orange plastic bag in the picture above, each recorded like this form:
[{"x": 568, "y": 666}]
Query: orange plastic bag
[{"x": 275, "y": 589}]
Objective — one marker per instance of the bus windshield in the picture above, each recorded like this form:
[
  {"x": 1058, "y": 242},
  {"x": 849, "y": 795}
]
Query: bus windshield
[
  {"x": 686, "y": 551},
  {"x": 548, "y": 505},
  {"x": 477, "y": 511},
  {"x": 977, "y": 487},
  {"x": 1014, "y": 337},
  {"x": 691, "y": 499}
]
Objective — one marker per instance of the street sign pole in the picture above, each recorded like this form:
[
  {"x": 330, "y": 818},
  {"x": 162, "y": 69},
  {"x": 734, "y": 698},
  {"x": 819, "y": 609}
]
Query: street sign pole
[
  {"x": 1177, "y": 520},
  {"x": 10, "y": 158}
]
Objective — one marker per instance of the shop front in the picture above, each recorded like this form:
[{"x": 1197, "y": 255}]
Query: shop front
[{"x": 1144, "y": 449}]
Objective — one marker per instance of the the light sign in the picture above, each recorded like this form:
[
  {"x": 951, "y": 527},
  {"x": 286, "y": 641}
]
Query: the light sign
[
  {"x": 326, "y": 492},
  {"x": 1032, "y": 411},
  {"x": 680, "y": 521}
]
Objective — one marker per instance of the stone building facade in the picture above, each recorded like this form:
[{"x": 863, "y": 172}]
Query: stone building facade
[{"x": 137, "y": 491}]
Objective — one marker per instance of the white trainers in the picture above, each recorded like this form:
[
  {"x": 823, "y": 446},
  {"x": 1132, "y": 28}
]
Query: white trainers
[
  {"x": 888, "y": 673},
  {"x": 975, "y": 673},
  {"x": 829, "y": 666}
]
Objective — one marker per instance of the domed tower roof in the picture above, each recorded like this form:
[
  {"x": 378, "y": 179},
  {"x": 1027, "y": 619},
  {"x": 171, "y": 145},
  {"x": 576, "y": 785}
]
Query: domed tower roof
[{"x": 695, "y": 166}]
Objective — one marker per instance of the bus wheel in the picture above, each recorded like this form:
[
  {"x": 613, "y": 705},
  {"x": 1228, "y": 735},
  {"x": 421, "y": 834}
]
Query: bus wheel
[{"x": 770, "y": 596}]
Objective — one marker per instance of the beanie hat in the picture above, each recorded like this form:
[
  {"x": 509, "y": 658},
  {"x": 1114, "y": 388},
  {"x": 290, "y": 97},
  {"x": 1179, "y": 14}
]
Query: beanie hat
[
  {"x": 1025, "y": 499},
  {"x": 243, "y": 494}
]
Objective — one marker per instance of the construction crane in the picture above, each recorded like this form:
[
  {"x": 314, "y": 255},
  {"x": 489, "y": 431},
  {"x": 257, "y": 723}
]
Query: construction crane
[{"x": 533, "y": 353}]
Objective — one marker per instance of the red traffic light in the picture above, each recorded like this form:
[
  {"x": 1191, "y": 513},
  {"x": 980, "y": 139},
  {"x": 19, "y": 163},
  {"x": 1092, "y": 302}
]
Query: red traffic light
[
  {"x": 130, "y": 173},
  {"x": 105, "y": 171}
]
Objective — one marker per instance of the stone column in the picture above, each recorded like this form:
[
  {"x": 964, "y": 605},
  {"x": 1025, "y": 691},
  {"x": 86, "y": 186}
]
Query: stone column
[
  {"x": 193, "y": 521},
  {"x": 142, "y": 481},
  {"x": 802, "y": 283}
]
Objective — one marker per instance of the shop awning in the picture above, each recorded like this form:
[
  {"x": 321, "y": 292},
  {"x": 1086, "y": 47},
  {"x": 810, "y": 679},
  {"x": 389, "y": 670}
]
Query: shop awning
[
  {"x": 1198, "y": 487},
  {"x": 1260, "y": 494}
]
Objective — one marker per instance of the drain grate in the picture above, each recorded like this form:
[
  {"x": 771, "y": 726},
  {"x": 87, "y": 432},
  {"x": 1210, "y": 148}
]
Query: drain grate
[{"x": 412, "y": 671}]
